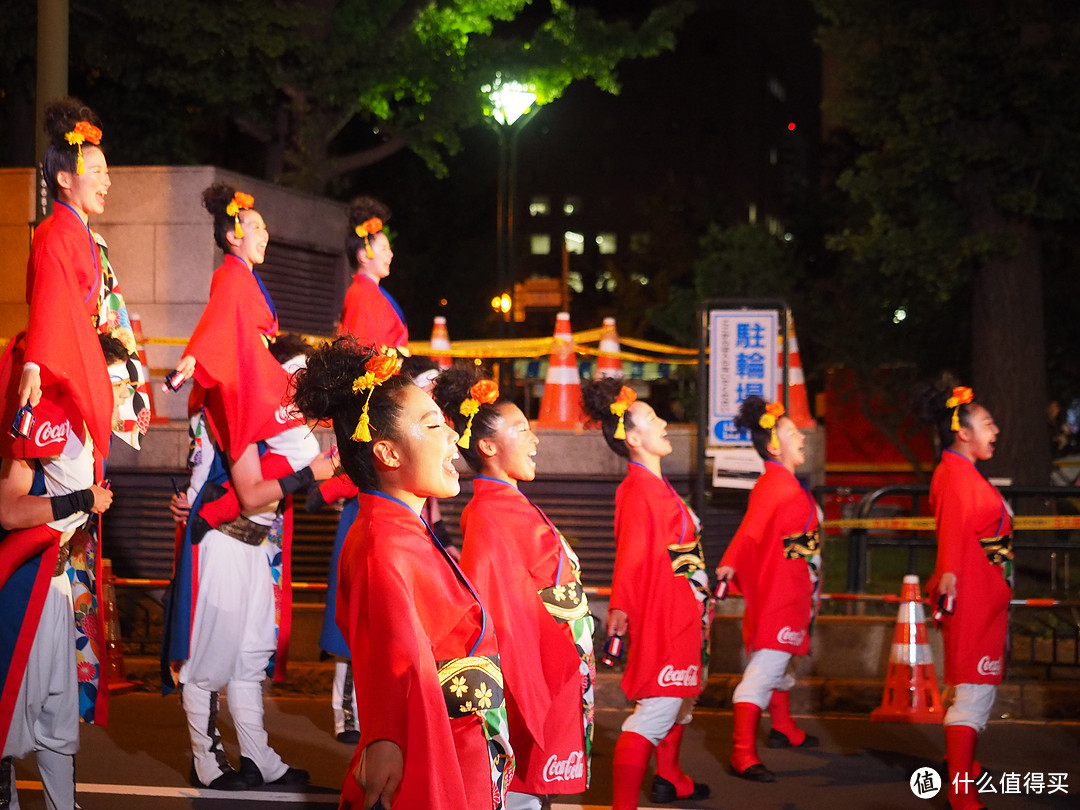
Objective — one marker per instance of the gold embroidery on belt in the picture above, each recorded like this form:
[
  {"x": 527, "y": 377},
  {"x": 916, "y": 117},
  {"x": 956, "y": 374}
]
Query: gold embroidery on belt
[
  {"x": 997, "y": 549},
  {"x": 471, "y": 684},
  {"x": 565, "y": 602},
  {"x": 804, "y": 545}
]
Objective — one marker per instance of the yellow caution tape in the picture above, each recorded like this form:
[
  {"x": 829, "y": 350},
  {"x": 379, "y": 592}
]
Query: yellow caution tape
[{"x": 1021, "y": 522}]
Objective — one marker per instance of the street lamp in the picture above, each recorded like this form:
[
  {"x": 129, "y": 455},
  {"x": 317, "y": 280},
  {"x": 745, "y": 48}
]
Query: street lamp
[{"x": 512, "y": 105}]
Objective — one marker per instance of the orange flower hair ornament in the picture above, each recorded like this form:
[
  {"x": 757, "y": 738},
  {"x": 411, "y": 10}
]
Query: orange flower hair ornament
[
  {"x": 960, "y": 396},
  {"x": 84, "y": 131},
  {"x": 240, "y": 201},
  {"x": 377, "y": 370},
  {"x": 367, "y": 228},
  {"x": 624, "y": 400},
  {"x": 483, "y": 392},
  {"x": 773, "y": 411}
]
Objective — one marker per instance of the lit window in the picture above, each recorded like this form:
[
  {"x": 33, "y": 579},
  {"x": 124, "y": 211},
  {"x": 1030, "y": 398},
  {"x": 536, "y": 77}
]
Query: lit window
[
  {"x": 539, "y": 206},
  {"x": 540, "y": 244},
  {"x": 772, "y": 156},
  {"x": 606, "y": 281},
  {"x": 776, "y": 87},
  {"x": 774, "y": 226},
  {"x": 606, "y": 242},
  {"x": 575, "y": 242},
  {"x": 574, "y": 281},
  {"x": 571, "y": 205},
  {"x": 639, "y": 242},
  {"x": 751, "y": 214}
]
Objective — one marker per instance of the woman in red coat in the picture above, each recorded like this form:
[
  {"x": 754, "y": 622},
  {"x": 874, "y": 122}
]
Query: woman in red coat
[
  {"x": 659, "y": 598},
  {"x": 428, "y": 682},
  {"x": 370, "y": 313},
  {"x": 774, "y": 560},
  {"x": 971, "y": 578},
  {"x": 528, "y": 577}
]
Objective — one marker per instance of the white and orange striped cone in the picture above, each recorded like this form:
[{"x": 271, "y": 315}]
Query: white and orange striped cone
[
  {"x": 560, "y": 406},
  {"x": 798, "y": 402},
  {"x": 116, "y": 673},
  {"x": 144, "y": 389},
  {"x": 911, "y": 688},
  {"x": 440, "y": 339},
  {"x": 609, "y": 342}
]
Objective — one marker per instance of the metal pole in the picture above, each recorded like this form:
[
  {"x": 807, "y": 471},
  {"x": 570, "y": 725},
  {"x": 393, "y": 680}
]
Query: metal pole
[{"x": 52, "y": 74}]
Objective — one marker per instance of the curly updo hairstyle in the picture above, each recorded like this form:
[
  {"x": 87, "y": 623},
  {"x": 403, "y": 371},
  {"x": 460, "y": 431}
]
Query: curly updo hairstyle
[
  {"x": 596, "y": 399},
  {"x": 451, "y": 389},
  {"x": 323, "y": 390},
  {"x": 113, "y": 349},
  {"x": 361, "y": 209},
  {"x": 61, "y": 116},
  {"x": 748, "y": 418},
  {"x": 216, "y": 200},
  {"x": 929, "y": 400}
]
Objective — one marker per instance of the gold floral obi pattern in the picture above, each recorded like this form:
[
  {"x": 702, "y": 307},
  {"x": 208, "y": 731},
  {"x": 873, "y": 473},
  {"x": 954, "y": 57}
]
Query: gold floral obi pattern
[
  {"x": 566, "y": 603},
  {"x": 686, "y": 558},
  {"x": 471, "y": 685},
  {"x": 997, "y": 549},
  {"x": 804, "y": 545}
]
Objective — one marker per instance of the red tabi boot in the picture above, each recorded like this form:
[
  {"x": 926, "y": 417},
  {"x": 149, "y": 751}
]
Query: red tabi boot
[
  {"x": 632, "y": 755},
  {"x": 744, "y": 759},
  {"x": 670, "y": 782}
]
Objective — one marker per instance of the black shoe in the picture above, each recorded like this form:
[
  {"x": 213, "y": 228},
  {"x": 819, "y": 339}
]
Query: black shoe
[
  {"x": 663, "y": 792},
  {"x": 778, "y": 739},
  {"x": 293, "y": 777},
  {"x": 755, "y": 773},
  {"x": 349, "y": 737},
  {"x": 229, "y": 780}
]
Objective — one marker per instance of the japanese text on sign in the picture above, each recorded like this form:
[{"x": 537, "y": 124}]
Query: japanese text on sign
[{"x": 743, "y": 350}]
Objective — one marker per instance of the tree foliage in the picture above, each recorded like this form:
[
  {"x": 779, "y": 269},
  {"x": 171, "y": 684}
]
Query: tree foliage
[{"x": 963, "y": 118}]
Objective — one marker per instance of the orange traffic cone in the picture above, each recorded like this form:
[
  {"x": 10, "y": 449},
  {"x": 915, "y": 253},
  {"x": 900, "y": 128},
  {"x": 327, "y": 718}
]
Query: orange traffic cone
[
  {"x": 798, "y": 403},
  {"x": 561, "y": 404},
  {"x": 144, "y": 387},
  {"x": 911, "y": 688},
  {"x": 114, "y": 652},
  {"x": 440, "y": 339},
  {"x": 609, "y": 342}
]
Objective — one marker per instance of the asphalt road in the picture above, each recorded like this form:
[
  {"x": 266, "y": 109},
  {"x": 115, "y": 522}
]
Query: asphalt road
[{"x": 141, "y": 761}]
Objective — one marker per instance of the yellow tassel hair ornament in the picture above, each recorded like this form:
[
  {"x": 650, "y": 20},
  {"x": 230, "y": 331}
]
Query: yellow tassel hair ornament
[
  {"x": 377, "y": 370},
  {"x": 483, "y": 392},
  {"x": 367, "y": 228},
  {"x": 239, "y": 202},
  {"x": 960, "y": 396},
  {"x": 84, "y": 132},
  {"x": 624, "y": 400},
  {"x": 773, "y": 411}
]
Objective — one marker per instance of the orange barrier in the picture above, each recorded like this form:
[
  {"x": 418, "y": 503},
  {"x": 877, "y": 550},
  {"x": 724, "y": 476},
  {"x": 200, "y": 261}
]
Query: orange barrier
[
  {"x": 608, "y": 364},
  {"x": 560, "y": 406},
  {"x": 114, "y": 653},
  {"x": 798, "y": 402},
  {"x": 146, "y": 390},
  {"x": 911, "y": 688},
  {"x": 440, "y": 340}
]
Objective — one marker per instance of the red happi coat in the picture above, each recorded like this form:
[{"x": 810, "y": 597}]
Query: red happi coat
[
  {"x": 510, "y": 552},
  {"x": 664, "y": 615},
  {"x": 63, "y": 287},
  {"x": 368, "y": 315},
  {"x": 239, "y": 383},
  {"x": 968, "y": 508},
  {"x": 403, "y": 605},
  {"x": 778, "y": 590}
]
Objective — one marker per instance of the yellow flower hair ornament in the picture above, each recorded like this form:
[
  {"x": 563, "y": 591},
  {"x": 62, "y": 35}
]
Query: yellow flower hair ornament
[
  {"x": 483, "y": 392},
  {"x": 84, "y": 132},
  {"x": 240, "y": 201},
  {"x": 369, "y": 227},
  {"x": 773, "y": 411},
  {"x": 961, "y": 395},
  {"x": 377, "y": 370},
  {"x": 624, "y": 400}
]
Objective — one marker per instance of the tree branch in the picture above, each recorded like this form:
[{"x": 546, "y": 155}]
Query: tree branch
[{"x": 367, "y": 157}]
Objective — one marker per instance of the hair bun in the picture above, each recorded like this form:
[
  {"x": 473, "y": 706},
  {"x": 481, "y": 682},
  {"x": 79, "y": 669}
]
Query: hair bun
[
  {"x": 361, "y": 209},
  {"x": 61, "y": 116}
]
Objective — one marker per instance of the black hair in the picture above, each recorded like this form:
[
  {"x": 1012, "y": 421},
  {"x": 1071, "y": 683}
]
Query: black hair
[
  {"x": 416, "y": 364},
  {"x": 748, "y": 418},
  {"x": 288, "y": 345},
  {"x": 929, "y": 400},
  {"x": 61, "y": 116},
  {"x": 323, "y": 390},
  {"x": 361, "y": 209},
  {"x": 451, "y": 389},
  {"x": 113, "y": 349},
  {"x": 216, "y": 200},
  {"x": 596, "y": 398}
]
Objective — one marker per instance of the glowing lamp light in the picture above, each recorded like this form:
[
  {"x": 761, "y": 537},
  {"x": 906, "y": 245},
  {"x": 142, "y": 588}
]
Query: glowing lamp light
[
  {"x": 502, "y": 303},
  {"x": 791, "y": 126},
  {"x": 509, "y": 100},
  {"x": 899, "y": 315}
]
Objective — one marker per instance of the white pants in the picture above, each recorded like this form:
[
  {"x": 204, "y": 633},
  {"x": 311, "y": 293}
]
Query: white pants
[
  {"x": 523, "y": 801},
  {"x": 46, "y": 716},
  {"x": 765, "y": 672},
  {"x": 232, "y": 638},
  {"x": 654, "y": 717},
  {"x": 343, "y": 698},
  {"x": 971, "y": 705}
]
